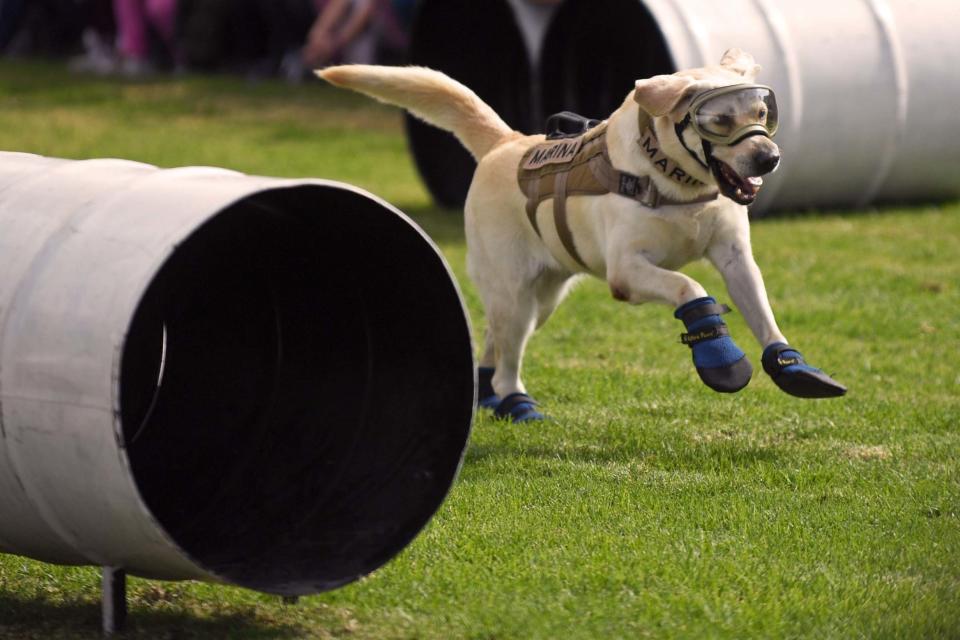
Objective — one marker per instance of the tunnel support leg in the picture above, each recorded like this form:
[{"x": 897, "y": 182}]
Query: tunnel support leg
[{"x": 114, "y": 600}]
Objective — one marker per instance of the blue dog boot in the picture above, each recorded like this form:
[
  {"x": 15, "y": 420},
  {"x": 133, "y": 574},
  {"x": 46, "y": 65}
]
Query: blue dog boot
[
  {"x": 519, "y": 407},
  {"x": 791, "y": 373},
  {"x": 487, "y": 398},
  {"x": 721, "y": 364}
]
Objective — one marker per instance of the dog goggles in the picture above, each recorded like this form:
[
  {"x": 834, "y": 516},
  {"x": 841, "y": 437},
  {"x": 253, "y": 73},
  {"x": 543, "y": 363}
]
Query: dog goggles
[{"x": 727, "y": 115}]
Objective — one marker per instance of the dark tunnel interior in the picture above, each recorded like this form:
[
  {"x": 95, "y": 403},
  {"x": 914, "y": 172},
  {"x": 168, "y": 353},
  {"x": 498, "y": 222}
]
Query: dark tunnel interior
[
  {"x": 297, "y": 389},
  {"x": 593, "y": 53}
]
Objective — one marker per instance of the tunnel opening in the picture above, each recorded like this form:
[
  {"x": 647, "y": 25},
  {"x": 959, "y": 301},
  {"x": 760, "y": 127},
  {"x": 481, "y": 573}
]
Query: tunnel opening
[
  {"x": 480, "y": 45},
  {"x": 296, "y": 389},
  {"x": 595, "y": 50}
]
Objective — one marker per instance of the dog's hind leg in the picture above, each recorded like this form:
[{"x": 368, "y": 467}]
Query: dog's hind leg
[
  {"x": 512, "y": 320},
  {"x": 505, "y": 271},
  {"x": 489, "y": 357},
  {"x": 505, "y": 341},
  {"x": 551, "y": 288},
  {"x": 486, "y": 396}
]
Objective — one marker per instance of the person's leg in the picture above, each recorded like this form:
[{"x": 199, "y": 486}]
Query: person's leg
[
  {"x": 162, "y": 16},
  {"x": 132, "y": 34}
]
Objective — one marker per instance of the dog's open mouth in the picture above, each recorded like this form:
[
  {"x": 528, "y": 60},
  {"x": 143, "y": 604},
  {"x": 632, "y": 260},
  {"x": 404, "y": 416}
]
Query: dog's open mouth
[{"x": 740, "y": 190}]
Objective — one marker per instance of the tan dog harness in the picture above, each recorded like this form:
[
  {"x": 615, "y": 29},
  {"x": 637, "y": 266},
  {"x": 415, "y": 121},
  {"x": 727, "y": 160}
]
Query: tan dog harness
[{"x": 581, "y": 166}]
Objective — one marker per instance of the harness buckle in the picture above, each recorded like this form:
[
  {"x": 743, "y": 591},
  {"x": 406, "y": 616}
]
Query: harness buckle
[
  {"x": 631, "y": 186},
  {"x": 651, "y": 196},
  {"x": 567, "y": 124}
]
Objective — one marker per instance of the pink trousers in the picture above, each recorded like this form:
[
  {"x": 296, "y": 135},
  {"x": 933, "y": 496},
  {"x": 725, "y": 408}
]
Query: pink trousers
[{"x": 134, "y": 20}]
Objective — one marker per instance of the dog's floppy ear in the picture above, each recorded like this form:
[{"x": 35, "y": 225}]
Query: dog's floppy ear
[
  {"x": 741, "y": 62},
  {"x": 664, "y": 95}
]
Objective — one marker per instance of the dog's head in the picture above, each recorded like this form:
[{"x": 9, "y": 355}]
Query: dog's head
[{"x": 717, "y": 122}]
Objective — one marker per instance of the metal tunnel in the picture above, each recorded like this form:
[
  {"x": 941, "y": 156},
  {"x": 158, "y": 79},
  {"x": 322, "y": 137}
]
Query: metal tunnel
[
  {"x": 866, "y": 96},
  {"x": 207, "y": 375}
]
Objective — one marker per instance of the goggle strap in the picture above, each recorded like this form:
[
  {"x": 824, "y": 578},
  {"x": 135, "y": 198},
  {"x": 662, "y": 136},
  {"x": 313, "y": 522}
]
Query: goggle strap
[
  {"x": 707, "y": 150},
  {"x": 680, "y": 127},
  {"x": 748, "y": 134}
]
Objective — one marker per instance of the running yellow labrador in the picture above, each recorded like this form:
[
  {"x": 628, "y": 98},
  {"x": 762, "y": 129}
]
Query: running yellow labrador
[{"x": 662, "y": 182}]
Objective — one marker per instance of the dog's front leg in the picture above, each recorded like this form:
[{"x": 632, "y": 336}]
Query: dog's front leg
[
  {"x": 732, "y": 255},
  {"x": 633, "y": 277},
  {"x": 733, "y": 258}
]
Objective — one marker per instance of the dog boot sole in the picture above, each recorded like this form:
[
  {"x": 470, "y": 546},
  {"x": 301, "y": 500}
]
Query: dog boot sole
[
  {"x": 809, "y": 384},
  {"x": 728, "y": 379}
]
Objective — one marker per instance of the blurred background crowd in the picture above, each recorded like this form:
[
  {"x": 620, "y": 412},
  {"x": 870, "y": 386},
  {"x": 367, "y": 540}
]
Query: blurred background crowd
[{"x": 258, "y": 38}]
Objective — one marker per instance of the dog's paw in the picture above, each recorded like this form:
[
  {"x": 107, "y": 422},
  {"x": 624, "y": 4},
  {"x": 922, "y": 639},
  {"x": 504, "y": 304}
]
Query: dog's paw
[
  {"x": 728, "y": 379},
  {"x": 518, "y": 407},
  {"x": 720, "y": 363},
  {"x": 489, "y": 402},
  {"x": 792, "y": 374}
]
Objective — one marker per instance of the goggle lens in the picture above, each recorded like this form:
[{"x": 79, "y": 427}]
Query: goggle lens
[{"x": 740, "y": 110}]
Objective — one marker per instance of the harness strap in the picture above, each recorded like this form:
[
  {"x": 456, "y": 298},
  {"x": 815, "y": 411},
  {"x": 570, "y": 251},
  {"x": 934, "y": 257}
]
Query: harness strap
[
  {"x": 709, "y": 333},
  {"x": 560, "y": 217},
  {"x": 533, "y": 188},
  {"x": 680, "y": 127},
  {"x": 702, "y": 311},
  {"x": 773, "y": 364}
]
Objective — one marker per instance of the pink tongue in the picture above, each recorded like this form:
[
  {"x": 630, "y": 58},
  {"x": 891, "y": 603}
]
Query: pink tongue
[{"x": 744, "y": 185}]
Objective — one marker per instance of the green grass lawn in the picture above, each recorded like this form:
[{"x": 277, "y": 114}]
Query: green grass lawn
[{"x": 650, "y": 506}]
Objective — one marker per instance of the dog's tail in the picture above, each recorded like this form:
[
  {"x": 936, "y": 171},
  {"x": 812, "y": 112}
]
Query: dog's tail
[{"x": 431, "y": 96}]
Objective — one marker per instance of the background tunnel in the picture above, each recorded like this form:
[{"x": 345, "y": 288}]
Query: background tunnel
[
  {"x": 209, "y": 375},
  {"x": 865, "y": 97},
  {"x": 590, "y": 61}
]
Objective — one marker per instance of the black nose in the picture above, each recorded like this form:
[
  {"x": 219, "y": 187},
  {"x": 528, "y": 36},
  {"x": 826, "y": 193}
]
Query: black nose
[{"x": 767, "y": 161}]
